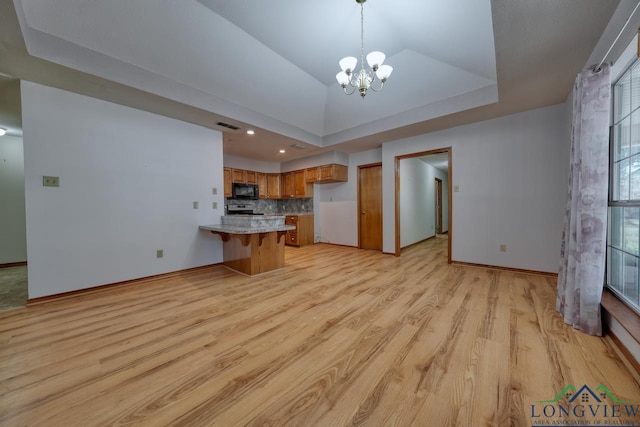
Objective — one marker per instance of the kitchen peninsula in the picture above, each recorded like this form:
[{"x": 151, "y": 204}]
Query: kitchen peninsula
[{"x": 252, "y": 244}]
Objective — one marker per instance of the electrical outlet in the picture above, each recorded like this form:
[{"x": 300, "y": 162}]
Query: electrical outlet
[
  {"x": 196, "y": 205},
  {"x": 159, "y": 253},
  {"x": 214, "y": 190},
  {"x": 215, "y": 205},
  {"x": 51, "y": 181},
  {"x": 456, "y": 188},
  {"x": 503, "y": 248}
]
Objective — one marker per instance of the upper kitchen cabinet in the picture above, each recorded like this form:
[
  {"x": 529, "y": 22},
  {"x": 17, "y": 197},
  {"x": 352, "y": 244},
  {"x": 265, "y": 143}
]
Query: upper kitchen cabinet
[
  {"x": 273, "y": 186},
  {"x": 301, "y": 188},
  {"x": 251, "y": 177},
  {"x": 293, "y": 184},
  {"x": 239, "y": 175},
  {"x": 327, "y": 173},
  {"x": 227, "y": 182},
  {"x": 261, "y": 180}
]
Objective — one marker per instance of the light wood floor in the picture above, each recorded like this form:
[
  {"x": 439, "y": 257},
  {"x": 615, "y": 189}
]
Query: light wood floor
[{"x": 340, "y": 337}]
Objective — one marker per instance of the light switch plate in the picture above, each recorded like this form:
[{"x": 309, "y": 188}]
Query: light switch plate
[
  {"x": 51, "y": 181},
  {"x": 215, "y": 205},
  {"x": 214, "y": 190},
  {"x": 195, "y": 205},
  {"x": 159, "y": 253},
  {"x": 456, "y": 188}
]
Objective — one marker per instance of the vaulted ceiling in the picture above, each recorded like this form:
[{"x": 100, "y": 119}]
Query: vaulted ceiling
[{"x": 271, "y": 65}]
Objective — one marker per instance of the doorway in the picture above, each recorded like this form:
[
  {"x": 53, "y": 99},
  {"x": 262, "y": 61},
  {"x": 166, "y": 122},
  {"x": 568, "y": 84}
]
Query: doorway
[
  {"x": 370, "y": 206},
  {"x": 13, "y": 237},
  {"x": 439, "y": 159},
  {"x": 438, "y": 204}
]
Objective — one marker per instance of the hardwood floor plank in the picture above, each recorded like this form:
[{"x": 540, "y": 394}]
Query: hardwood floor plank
[{"x": 338, "y": 337}]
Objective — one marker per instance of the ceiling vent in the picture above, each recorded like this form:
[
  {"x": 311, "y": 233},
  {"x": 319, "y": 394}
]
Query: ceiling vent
[
  {"x": 298, "y": 146},
  {"x": 227, "y": 125}
]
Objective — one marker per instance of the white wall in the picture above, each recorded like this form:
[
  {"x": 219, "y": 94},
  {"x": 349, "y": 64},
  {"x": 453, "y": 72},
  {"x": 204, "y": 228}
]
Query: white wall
[
  {"x": 325, "y": 158},
  {"x": 336, "y": 204},
  {"x": 417, "y": 201},
  {"x": 128, "y": 179},
  {"x": 13, "y": 233},
  {"x": 512, "y": 177},
  {"x": 417, "y": 207},
  {"x": 250, "y": 164}
]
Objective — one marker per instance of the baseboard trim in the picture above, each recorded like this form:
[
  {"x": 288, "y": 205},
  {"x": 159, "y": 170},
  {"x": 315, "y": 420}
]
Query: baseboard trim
[
  {"x": 110, "y": 286},
  {"x": 497, "y": 267},
  {"x": 625, "y": 316},
  {"x": 418, "y": 242},
  {"x": 628, "y": 357},
  {"x": 13, "y": 264},
  {"x": 336, "y": 244}
]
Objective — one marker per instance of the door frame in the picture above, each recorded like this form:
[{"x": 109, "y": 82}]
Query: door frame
[
  {"x": 449, "y": 202},
  {"x": 438, "y": 194},
  {"x": 368, "y": 165}
]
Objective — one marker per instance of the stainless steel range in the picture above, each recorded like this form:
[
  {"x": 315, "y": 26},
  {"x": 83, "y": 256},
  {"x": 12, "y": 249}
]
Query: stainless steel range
[{"x": 242, "y": 209}]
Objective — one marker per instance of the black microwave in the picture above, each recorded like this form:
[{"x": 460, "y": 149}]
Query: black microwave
[{"x": 245, "y": 191}]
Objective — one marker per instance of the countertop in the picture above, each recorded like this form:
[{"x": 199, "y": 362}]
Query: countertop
[
  {"x": 232, "y": 229},
  {"x": 297, "y": 213}
]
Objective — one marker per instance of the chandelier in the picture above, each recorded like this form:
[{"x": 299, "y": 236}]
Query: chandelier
[{"x": 364, "y": 79}]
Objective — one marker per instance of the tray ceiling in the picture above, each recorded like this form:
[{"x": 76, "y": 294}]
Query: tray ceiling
[{"x": 277, "y": 60}]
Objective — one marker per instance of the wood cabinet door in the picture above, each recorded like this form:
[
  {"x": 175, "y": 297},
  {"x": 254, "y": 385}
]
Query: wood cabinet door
[
  {"x": 239, "y": 175},
  {"x": 261, "y": 179},
  {"x": 250, "y": 177},
  {"x": 273, "y": 185},
  {"x": 326, "y": 173},
  {"x": 299, "y": 184},
  {"x": 288, "y": 187},
  {"x": 312, "y": 175},
  {"x": 333, "y": 173},
  {"x": 227, "y": 182}
]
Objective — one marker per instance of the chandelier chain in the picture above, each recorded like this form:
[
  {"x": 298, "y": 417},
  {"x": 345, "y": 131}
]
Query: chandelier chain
[{"x": 362, "y": 33}]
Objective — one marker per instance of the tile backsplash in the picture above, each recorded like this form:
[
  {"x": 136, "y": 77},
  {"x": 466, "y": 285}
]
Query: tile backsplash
[{"x": 277, "y": 206}]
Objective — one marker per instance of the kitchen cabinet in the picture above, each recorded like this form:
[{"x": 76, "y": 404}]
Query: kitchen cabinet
[
  {"x": 333, "y": 173},
  {"x": 273, "y": 186},
  {"x": 327, "y": 173},
  {"x": 227, "y": 182},
  {"x": 295, "y": 185},
  {"x": 287, "y": 185},
  {"x": 250, "y": 177},
  {"x": 301, "y": 188},
  {"x": 304, "y": 232},
  {"x": 261, "y": 180},
  {"x": 311, "y": 174},
  {"x": 239, "y": 175}
]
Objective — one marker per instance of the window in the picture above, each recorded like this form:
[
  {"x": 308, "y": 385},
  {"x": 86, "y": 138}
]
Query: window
[{"x": 623, "y": 237}]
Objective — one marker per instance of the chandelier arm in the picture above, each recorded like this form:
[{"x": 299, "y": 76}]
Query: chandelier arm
[
  {"x": 347, "y": 92},
  {"x": 378, "y": 89},
  {"x": 373, "y": 80}
]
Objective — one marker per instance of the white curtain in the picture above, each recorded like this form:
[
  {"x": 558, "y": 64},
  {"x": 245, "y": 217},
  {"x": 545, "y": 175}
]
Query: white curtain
[{"x": 583, "y": 251}]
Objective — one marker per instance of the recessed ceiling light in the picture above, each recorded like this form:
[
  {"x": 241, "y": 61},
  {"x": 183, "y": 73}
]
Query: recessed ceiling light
[
  {"x": 250, "y": 132},
  {"x": 282, "y": 151},
  {"x": 2, "y": 131}
]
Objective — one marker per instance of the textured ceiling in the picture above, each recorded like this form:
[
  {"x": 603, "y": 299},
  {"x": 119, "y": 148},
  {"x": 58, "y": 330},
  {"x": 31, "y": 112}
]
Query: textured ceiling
[{"x": 265, "y": 65}]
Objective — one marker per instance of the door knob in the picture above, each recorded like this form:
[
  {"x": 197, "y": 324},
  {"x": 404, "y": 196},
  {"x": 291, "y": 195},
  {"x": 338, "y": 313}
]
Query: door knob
[{"x": 362, "y": 212}]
